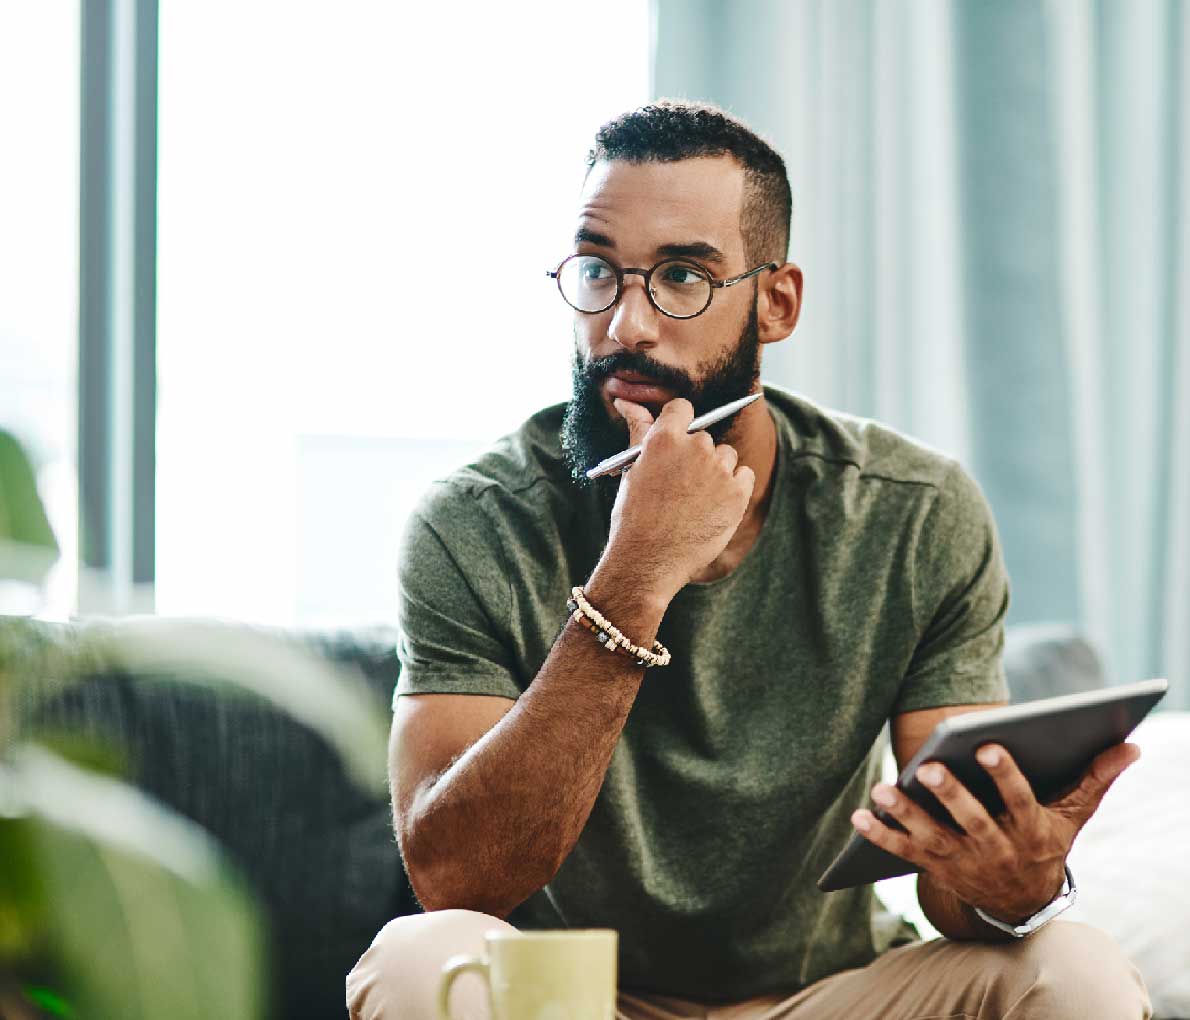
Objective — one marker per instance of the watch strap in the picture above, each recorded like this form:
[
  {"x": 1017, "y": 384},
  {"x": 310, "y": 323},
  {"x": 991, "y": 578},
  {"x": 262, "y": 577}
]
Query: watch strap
[{"x": 1046, "y": 914}]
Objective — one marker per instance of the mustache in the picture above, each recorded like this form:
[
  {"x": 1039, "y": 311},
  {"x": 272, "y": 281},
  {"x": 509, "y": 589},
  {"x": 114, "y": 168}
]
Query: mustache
[{"x": 675, "y": 379}]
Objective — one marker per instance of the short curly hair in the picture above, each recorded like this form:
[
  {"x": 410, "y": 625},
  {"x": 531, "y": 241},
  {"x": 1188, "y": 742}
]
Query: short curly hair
[{"x": 674, "y": 129}]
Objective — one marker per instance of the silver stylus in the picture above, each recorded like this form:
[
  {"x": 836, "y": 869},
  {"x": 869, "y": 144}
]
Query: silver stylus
[{"x": 620, "y": 460}]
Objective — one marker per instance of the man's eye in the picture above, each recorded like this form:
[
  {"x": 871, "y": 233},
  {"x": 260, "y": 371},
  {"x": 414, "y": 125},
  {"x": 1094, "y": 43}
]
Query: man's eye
[
  {"x": 596, "y": 271},
  {"x": 683, "y": 276}
]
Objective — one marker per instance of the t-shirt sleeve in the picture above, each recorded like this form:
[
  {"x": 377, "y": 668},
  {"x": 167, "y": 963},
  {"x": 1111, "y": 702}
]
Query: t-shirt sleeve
[
  {"x": 960, "y": 599},
  {"x": 454, "y": 601}
]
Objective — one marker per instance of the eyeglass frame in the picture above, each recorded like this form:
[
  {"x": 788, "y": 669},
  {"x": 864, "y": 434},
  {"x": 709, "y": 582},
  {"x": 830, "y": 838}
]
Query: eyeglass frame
[{"x": 647, "y": 276}]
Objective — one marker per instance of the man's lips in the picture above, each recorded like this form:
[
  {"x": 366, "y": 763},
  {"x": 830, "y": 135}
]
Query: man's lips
[{"x": 637, "y": 388}]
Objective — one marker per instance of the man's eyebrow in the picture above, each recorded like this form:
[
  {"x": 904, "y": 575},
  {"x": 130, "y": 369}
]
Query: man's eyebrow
[
  {"x": 694, "y": 250},
  {"x": 700, "y": 250},
  {"x": 593, "y": 237}
]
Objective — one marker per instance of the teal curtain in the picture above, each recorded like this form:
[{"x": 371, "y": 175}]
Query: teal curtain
[{"x": 990, "y": 207}]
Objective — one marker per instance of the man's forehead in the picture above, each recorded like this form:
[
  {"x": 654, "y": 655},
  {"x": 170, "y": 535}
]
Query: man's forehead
[{"x": 655, "y": 204}]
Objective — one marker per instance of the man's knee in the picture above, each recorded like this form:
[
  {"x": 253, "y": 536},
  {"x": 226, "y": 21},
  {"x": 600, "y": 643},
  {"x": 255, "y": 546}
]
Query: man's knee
[
  {"x": 398, "y": 975},
  {"x": 1071, "y": 970}
]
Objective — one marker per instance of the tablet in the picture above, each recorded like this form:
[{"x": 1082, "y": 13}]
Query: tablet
[{"x": 1052, "y": 741}]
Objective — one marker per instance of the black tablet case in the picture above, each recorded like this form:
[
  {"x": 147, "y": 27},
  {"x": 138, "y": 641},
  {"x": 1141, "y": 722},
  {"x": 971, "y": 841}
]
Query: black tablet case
[{"x": 1052, "y": 741}]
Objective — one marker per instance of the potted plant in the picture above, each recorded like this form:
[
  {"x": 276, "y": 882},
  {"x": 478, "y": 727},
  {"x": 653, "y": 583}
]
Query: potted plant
[{"x": 110, "y": 904}]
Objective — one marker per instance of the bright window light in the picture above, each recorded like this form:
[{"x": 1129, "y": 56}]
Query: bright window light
[
  {"x": 39, "y": 136},
  {"x": 357, "y": 204}
]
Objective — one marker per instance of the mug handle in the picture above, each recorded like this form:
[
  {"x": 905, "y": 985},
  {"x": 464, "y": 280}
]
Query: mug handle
[{"x": 453, "y": 967}]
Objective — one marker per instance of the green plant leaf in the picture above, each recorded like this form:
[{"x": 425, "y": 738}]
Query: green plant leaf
[
  {"x": 48, "y": 1001},
  {"x": 27, "y": 545},
  {"x": 22, "y": 894},
  {"x": 134, "y": 905}
]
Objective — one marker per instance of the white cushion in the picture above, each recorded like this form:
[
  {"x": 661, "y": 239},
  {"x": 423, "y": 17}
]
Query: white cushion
[{"x": 1132, "y": 863}]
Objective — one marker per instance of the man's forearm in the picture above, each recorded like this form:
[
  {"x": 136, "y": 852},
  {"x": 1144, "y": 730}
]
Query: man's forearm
[{"x": 495, "y": 827}]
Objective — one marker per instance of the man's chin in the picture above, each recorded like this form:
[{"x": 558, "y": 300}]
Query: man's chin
[
  {"x": 655, "y": 409},
  {"x": 591, "y": 432}
]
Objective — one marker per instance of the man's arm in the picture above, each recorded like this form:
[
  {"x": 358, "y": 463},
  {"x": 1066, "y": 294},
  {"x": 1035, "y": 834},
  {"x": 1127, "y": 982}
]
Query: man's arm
[
  {"x": 487, "y": 804},
  {"x": 1012, "y": 865},
  {"x": 489, "y": 799}
]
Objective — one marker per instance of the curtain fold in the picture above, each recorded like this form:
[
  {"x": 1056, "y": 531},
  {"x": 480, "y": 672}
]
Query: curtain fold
[{"x": 990, "y": 210}]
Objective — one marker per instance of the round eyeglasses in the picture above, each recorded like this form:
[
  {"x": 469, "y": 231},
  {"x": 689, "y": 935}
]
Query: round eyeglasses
[{"x": 678, "y": 288}]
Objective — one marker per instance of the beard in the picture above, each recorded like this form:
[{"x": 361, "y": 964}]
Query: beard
[{"x": 589, "y": 433}]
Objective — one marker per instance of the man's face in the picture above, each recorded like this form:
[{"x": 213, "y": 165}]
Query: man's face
[{"x": 635, "y": 215}]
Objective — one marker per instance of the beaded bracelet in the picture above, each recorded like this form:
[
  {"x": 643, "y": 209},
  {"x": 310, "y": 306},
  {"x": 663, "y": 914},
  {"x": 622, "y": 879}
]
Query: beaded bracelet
[{"x": 608, "y": 635}]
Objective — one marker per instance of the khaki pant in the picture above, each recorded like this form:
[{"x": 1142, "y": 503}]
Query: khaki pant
[{"x": 1066, "y": 970}]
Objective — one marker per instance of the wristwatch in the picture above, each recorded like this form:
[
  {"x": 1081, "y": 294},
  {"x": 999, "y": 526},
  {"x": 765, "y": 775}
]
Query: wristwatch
[{"x": 1046, "y": 914}]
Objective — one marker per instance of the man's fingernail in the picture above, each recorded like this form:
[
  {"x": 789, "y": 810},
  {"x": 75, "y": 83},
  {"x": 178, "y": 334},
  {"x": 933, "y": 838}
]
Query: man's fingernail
[
  {"x": 989, "y": 756},
  {"x": 931, "y": 775},
  {"x": 860, "y": 821},
  {"x": 883, "y": 795}
]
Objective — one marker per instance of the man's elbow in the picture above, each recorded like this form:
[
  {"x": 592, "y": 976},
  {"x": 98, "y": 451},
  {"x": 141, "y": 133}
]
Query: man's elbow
[
  {"x": 436, "y": 879},
  {"x": 450, "y": 877},
  {"x": 431, "y": 873}
]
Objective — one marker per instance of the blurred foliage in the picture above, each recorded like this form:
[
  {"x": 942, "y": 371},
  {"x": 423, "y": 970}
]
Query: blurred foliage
[
  {"x": 27, "y": 542},
  {"x": 112, "y": 906},
  {"x": 134, "y": 906}
]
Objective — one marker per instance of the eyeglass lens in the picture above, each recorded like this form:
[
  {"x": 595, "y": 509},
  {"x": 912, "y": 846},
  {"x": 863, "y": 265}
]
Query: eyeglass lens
[{"x": 589, "y": 283}]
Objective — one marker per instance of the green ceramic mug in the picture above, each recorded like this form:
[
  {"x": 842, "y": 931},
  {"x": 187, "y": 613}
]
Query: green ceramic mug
[{"x": 542, "y": 975}]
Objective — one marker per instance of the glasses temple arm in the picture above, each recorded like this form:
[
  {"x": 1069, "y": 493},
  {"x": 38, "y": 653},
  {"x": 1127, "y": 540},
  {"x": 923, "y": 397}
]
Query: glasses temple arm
[{"x": 743, "y": 276}]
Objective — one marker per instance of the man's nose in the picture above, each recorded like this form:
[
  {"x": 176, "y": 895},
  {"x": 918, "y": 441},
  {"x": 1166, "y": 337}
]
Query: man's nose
[{"x": 634, "y": 322}]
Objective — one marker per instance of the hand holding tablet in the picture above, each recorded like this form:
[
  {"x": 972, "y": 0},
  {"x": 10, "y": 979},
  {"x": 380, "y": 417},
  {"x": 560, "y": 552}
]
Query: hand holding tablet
[{"x": 1049, "y": 743}]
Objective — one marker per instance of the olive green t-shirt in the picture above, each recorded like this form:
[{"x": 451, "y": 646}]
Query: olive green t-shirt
[{"x": 876, "y": 586}]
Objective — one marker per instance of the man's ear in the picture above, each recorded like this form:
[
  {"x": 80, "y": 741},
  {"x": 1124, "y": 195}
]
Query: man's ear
[{"x": 780, "y": 303}]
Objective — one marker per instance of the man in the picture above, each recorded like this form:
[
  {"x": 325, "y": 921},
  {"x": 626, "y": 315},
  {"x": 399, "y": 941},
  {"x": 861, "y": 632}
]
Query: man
[{"x": 812, "y": 575}]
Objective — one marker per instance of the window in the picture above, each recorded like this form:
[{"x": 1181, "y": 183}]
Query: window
[
  {"x": 39, "y": 131},
  {"x": 357, "y": 204}
]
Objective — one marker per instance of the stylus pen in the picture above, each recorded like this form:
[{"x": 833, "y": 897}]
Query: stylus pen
[{"x": 622, "y": 460}]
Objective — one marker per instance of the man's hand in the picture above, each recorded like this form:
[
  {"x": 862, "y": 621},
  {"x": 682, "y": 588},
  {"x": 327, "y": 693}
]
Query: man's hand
[
  {"x": 1010, "y": 866},
  {"x": 684, "y": 498}
]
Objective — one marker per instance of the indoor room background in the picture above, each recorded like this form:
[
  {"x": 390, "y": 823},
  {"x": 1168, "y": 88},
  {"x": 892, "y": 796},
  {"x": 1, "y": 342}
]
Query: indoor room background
[{"x": 266, "y": 269}]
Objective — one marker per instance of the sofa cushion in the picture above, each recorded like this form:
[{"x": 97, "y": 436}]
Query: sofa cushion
[
  {"x": 1132, "y": 862},
  {"x": 1048, "y": 659}
]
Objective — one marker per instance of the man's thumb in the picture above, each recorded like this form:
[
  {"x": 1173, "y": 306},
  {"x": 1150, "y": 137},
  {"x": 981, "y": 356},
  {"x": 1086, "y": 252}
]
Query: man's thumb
[{"x": 638, "y": 418}]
